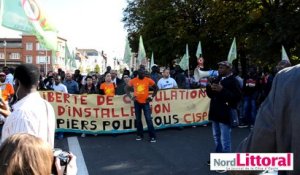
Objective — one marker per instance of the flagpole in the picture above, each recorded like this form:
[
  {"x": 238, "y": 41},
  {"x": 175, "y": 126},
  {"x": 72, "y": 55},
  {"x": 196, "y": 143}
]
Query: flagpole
[
  {"x": 46, "y": 69},
  {"x": 4, "y": 52}
]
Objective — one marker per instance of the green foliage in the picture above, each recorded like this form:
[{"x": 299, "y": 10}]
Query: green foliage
[
  {"x": 81, "y": 68},
  {"x": 97, "y": 68},
  {"x": 260, "y": 27}
]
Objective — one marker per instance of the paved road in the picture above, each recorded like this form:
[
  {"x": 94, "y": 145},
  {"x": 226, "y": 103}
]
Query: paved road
[{"x": 176, "y": 152}]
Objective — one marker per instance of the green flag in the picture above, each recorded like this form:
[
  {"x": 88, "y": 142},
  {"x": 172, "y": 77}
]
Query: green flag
[
  {"x": 27, "y": 16},
  {"x": 199, "y": 50},
  {"x": 232, "y": 55},
  {"x": 72, "y": 62},
  {"x": 127, "y": 53},
  {"x": 152, "y": 61},
  {"x": 184, "y": 62},
  {"x": 68, "y": 55},
  {"x": 142, "y": 52},
  {"x": 284, "y": 54}
]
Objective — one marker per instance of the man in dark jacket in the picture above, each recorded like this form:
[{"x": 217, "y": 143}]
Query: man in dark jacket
[
  {"x": 225, "y": 93},
  {"x": 276, "y": 129}
]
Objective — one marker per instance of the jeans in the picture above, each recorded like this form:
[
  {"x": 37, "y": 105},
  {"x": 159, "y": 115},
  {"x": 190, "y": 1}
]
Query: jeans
[
  {"x": 138, "y": 107},
  {"x": 249, "y": 109},
  {"x": 222, "y": 137}
]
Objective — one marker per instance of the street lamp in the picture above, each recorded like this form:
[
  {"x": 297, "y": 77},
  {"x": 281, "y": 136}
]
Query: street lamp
[
  {"x": 4, "y": 44},
  {"x": 44, "y": 52},
  {"x": 46, "y": 68}
]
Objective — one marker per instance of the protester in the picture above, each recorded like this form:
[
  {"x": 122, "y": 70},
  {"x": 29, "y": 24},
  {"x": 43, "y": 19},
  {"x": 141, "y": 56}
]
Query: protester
[
  {"x": 25, "y": 154},
  {"x": 141, "y": 100},
  {"x": 114, "y": 77},
  {"x": 62, "y": 74},
  {"x": 179, "y": 77},
  {"x": 276, "y": 129},
  {"x": 31, "y": 113},
  {"x": 72, "y": 85},
  {"x": 120, "y": 90},
  {"x": 126, "y": 72},
  {"x": 9, "y": 76},
  {"x": 89, "y": 87},
  {"x": 58, "y": 86},
  {"x": 225, "y": 93},
  {"x": 7, "y": 90},
  {"x": 251, "y": 89},
  {"x": 108, "y": 69},
  {"x": 108, "y": 87},
  {"x": 267, "y": 79},
  {"x": 155, "y": 73},
  {"x": 95, "y": 81},
  {"x": 78, "y": 78},
  {"x": 166, "y": 82},
  {"x": 49, "y": 81}
]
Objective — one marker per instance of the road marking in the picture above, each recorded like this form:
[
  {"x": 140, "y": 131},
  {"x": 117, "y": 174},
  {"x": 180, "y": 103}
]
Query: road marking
[{"x": 74, "y": 147}]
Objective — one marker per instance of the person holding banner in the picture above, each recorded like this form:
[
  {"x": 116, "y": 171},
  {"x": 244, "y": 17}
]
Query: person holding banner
[
  {"x": 108, "y": 87},
  {"x": 89, "y": 87},
  {"x": 141, "y": 100},
  {"x": 166, "y": 82}
]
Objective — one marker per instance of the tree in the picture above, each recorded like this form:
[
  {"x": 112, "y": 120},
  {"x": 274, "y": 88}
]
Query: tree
[
  {"x": 97, "y": 68},
  {"x": 260, "y": 27}
]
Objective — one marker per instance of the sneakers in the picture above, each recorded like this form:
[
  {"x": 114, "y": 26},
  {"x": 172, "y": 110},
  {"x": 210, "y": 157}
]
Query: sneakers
[
  {"x": 242, "y": 126},
  {"x": 139, "y": 138},
  {"x": 221, "y": 171},
  {"x": 153, "y": 140}
]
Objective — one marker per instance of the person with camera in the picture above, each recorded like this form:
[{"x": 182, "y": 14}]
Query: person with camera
[
  {"x": 27, "y": 154},
  {"x": 31, "y": 113},
  {"x": 225, "y": 93},
  {"x": 141, "y": 100}
]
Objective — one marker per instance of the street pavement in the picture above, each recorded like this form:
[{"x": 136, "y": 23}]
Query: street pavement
[{"x": 177, "y": 151}]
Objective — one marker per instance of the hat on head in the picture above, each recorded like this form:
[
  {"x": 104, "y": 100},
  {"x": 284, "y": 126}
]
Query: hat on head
[
  {"x": 225, "y": 63},
  {"x": 2, "y": 74}
]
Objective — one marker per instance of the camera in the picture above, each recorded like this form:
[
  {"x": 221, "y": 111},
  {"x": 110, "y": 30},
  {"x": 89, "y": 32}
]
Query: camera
[
  {"x": 214, "y": 80},
  {"x": 63, "y": 156}
]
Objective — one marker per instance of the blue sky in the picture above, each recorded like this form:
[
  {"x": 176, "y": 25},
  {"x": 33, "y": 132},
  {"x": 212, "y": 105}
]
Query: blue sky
[{"x": 92, "y": 24}]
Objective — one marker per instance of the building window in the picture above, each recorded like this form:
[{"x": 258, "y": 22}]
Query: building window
[
  {"x": 1, "y": 56},
  {"x": 42, "y": 60},
  {"x": 40, "y": 47},
  {"x": 29, "y": 46},
  {"x": 28, "y": 59},
  {"x": 15, "y": 56}
]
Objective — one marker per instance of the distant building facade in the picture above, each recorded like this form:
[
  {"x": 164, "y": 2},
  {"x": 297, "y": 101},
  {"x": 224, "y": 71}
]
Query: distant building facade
[
  {"x": 15, "y": 51},
  {"x": 89, "y": 59}
]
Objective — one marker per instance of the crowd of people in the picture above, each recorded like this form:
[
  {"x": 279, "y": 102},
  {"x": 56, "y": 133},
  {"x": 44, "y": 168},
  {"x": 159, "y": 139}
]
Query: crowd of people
[{"x": 230, "y": 94}]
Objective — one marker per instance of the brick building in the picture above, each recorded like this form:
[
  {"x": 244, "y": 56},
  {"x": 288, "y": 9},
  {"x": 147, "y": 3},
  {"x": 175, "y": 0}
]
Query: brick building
[
  {"x": 11, "y": 52},
  {"x": 28, "y": 50}
]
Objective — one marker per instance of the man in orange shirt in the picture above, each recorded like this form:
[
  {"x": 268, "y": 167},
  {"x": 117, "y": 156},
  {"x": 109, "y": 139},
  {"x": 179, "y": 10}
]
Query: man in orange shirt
[
  {"x": 107, "y": 87},
  {"x": 6, "y": 91},
  {"x": 141, "y": 100}
]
